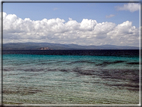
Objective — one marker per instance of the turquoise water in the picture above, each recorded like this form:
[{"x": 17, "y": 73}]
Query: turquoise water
[{"x": 65, "y": 79}]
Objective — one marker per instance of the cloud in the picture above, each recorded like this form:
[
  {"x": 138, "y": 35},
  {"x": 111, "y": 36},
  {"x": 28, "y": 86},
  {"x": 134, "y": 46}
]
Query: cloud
[
  {"x": 86, "y": 32},
  {"x": 109, "y": 16},
  {"x": 132, "y": 7},
  {"x": 125, "y": 33}
]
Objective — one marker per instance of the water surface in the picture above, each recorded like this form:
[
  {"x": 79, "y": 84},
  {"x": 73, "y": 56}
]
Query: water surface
[{"x": 70, "y": 79}]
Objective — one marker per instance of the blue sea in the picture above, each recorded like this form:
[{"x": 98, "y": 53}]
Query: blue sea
[{"x": 71, "y": 77}]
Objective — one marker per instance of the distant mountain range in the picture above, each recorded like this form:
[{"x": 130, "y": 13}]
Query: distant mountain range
[{"x": 55, "y": 46}]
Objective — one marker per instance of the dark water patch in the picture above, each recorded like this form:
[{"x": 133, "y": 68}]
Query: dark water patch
[
  {"x": 101, "y": 64},
  {"x": 8, "y": 69},
  {"x": 9, "y": 92},
  {"x": 134, "y": 87},
  {"x": 52, "y": 69},
  {"x": 16, "y": 64},
  {"x": 87, "y": 72},
  {"x": 82, "y": 61},
  {"x": 132, "y": 63},
  {"x": 124, "y": 85},
  {"x": 94, "y": 82},
  {"x": 32, "y": 70},
  {"x": 135, "y": 80},
  {"x": 123, "y": 74},
  {"x": 77, "y": 69},
  {"x": 112, "y": 74},
  {"x": 57, "y": 69},
  {"x": 25, "y": 77},
  {"x": 83, "y": 72},
  {"x": 64, "y": 70},
  {"x": 105, "y": 63},
  {"x": 33, "y": 91},
  {"x": 119, "y": 61},
  {"x": 13, "y": 74},
  {"x": 46, "y": 63},
  {"x": 24, "y": 91}
]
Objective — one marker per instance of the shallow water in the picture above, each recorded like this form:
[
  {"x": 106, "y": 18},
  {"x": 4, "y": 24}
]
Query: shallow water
[{"x": 70, "y": 79}]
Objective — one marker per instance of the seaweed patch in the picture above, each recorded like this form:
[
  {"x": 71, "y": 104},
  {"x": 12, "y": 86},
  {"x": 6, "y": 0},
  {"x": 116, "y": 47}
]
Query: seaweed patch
[
  {"x": 105, "y": 63},
  {"x": 131, "y": 63}
]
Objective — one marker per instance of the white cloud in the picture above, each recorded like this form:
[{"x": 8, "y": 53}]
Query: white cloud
[
  {"x": 109, "y": 16},
  {"x": 125, "y": 33},
  {"x": 86, "y": 32},
  {"x": 87, "y": 24},
  {"x": 132, "y": 7}
]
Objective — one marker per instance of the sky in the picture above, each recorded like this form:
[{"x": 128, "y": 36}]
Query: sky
[{"x": 72, "y": 23}]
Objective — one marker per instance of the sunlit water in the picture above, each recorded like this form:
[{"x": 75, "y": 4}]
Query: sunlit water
[{"x": 65, "y": 79}]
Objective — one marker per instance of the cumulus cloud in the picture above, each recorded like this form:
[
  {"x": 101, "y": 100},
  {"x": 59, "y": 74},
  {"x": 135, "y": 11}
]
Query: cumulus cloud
[
  {"x": 109, "y": 16},
  {"x": 86, "y": 32},
  {"x": 132, "y": 7}
]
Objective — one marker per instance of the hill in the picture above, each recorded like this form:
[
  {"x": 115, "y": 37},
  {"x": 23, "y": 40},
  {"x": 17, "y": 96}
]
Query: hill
[{"x": 55, "y": 46}]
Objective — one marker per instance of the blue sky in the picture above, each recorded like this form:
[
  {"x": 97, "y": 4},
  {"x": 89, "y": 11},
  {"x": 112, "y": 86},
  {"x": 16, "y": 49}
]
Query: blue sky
[
  {"x": 76, "y": 11},
  {"x": 113, "y": 14}
]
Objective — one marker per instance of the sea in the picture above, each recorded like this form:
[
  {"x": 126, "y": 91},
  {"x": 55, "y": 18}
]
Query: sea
[{"x": 70, "y": 76}]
